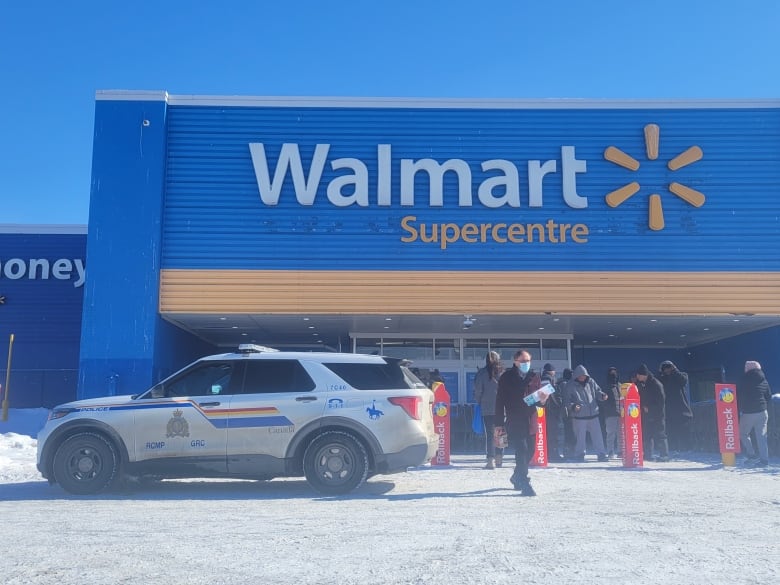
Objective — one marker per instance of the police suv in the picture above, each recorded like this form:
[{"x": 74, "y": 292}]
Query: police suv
[{"x": 259, "y": 413}]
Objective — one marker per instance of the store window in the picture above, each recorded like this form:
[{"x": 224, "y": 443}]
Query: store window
[
  {"x": 447, "y": 349},
  {"x": 555, "y": 350},
  {"x": 475, "y": 350},
  {"x": 412, "y": 349},
  {"x": 507, "y": 348},
  {"x": 370, "y": 346}
]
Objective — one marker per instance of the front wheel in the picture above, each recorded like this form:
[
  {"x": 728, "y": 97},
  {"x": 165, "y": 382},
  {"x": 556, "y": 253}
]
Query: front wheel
[
  {"x": 335, "y": 463},
  {"x": 85, "y": 463}
]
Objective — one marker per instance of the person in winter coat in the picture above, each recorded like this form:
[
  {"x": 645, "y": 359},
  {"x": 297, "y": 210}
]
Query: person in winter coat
[
  {"x": 517, "y": 417},
  {"x": 609, "y": 410},
  {"x": 753, "y": 398},
  {"x": 485, "y": 389},
  {"x": 651, "y": 394},
  {"x": 552, "y": 410},
  {"x": 569, "y": 438},
  {"x": 582, "y": 396},
  {"x": 679, "y": 416}
]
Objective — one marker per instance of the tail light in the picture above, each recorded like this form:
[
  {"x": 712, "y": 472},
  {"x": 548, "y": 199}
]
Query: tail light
[{"x": 410, "y": 404}]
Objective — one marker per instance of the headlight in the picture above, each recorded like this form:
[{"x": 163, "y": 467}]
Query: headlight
[{"x": 60, "y": 412}]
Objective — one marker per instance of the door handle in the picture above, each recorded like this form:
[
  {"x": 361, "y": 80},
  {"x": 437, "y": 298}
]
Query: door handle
[
  {"x": 208, "y": 403},
  {"x": 305, "y": 398}
]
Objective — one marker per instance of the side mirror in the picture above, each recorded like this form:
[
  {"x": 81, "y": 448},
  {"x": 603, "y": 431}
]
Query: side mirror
[{"x": 158, "y": 391}]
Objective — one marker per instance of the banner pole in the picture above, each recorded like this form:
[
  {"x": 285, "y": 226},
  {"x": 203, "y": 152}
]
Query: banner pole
[{"x": 7, "y": 378}]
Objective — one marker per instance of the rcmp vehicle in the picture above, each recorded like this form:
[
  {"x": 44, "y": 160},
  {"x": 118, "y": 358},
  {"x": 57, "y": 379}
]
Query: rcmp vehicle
[{"x": 259, "y": 413}]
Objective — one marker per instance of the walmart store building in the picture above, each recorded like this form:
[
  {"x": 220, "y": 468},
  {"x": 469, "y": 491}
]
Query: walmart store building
[{"x": 596, "y": 232}]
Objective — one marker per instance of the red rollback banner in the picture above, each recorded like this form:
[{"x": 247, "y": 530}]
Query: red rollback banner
[
  {"x": 631, "y": 416},
  {"x": 539, "y": 456},
  {"x": 624, "y": 386},
  {"x": 728, "y": 417},
  {"x": 441, "y": 423}
]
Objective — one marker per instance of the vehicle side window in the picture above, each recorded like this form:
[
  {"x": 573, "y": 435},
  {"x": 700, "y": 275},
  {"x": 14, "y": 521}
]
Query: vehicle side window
[
  {"x": 265, "y": 376},
  {"x": 363, "y": 376},
  {"x": 208, "y": 379}
]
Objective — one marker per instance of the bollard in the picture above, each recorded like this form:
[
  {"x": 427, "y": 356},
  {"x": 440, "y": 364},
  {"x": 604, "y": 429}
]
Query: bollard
[
  {"x": 632, "y": 429},
  {"x": 441, "y": 423},
  {"x": 539, "y": 456},
  {"x": 728, "y": 423}
]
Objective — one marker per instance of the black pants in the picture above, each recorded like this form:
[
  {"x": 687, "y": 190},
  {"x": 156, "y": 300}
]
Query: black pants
[
  {"x": 654, "y": 435},
  {"x": 680, "y": 432},
  {"x": 569, "y": 437},
  {"x": 553, "y": 422},
  {"x": 520, "y": 441}
]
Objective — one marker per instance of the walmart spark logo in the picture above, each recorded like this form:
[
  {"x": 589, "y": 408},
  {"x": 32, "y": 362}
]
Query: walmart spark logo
[{"x": 656, "y": 212}]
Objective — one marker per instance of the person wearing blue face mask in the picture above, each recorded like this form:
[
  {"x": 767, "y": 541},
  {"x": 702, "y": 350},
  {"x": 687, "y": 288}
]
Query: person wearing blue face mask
[{"x": 513, "y": 414}]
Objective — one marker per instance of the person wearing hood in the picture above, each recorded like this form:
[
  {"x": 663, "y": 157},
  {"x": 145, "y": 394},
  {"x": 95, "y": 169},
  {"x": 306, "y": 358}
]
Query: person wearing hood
[
  {"x": 516, "y": 417},
  {"x": 679, "y": 416},
  {"x": 582, "y": 396},
  {"x": 653, "y": 400},
  {"x": 569, "y": 439},
  {"x": 609, "y": 410},
  {"x": 753, "y": 398}
]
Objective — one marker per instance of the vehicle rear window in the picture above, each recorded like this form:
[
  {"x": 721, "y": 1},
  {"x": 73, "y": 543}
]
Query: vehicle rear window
[{"x": 370, "y": 376}]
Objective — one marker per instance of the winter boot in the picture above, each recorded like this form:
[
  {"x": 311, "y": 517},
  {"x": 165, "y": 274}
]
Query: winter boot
[
  {"x": 526, "y": 489},
  {"x": 489, "y": 464},
  {"x": 499, "y": 459}
]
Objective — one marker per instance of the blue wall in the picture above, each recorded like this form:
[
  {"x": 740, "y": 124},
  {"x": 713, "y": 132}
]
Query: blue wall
[
  {"x": 732, "y": 353},
  {"x": 215, "y": 217},
  {"x": 598, "y": 360},
  {"x": 174, "y": 186},
  {"x": 43, "y": 311},
  {"x": 121, "y": 322}
]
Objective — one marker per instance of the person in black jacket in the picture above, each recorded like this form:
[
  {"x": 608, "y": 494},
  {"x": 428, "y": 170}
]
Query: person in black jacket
[
  {"x": 609, "y": 413},
  {"x": 679, "y": 416},
  {"x": 569, "y": 438},
  {"x": 753, "y": 397},
  {"x": 513, "y": 414},
  {"x": 552, "y": 409},
  {"x": 651, "y": 394}
]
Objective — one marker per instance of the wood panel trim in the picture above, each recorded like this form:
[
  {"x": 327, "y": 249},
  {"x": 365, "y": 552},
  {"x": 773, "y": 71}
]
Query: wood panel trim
[{"x": 454, "y": 292}]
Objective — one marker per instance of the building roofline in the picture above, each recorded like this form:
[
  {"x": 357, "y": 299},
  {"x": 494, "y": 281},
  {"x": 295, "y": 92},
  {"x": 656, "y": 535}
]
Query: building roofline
[
  {"x": 21, "y": 228},
  {"x": 431, "y": 103}
]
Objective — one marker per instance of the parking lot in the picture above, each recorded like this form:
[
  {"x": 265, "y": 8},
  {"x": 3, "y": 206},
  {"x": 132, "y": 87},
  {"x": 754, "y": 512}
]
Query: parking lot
[{"x": 684, "y": 521}]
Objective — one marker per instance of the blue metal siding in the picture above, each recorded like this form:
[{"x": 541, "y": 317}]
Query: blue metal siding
[
  {"x": 214, "y": 218},
  {"x": 44, "y": 314},
  {"x": 39, "y": 309},
  {"x": 121, "y": 320}
]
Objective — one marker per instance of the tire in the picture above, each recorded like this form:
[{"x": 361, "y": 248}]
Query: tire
[
  {"x": 335, "y": 463},
  {"x": 85, "y": 463}
]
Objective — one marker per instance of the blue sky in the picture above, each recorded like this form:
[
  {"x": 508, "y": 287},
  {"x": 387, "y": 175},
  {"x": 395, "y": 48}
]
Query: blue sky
[{"x": 54, "y": 55}]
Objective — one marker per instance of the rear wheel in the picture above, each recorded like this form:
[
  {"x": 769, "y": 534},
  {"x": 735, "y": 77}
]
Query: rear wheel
[
  {"x": 335, "y": 463},
  {"x": 85, "y": 463}
]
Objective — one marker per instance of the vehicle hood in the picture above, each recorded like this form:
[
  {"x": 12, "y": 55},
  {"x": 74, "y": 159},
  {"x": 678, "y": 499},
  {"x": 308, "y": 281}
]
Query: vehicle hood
[{"x": 97, "y": 402}]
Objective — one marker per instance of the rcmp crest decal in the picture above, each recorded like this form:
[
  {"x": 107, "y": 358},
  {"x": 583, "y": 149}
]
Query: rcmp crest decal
[{"x": 178, "y": 425}]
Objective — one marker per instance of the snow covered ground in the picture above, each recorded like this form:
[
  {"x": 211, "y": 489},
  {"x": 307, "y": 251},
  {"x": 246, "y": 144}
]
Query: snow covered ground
[{"x": 688, "y": 521}]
